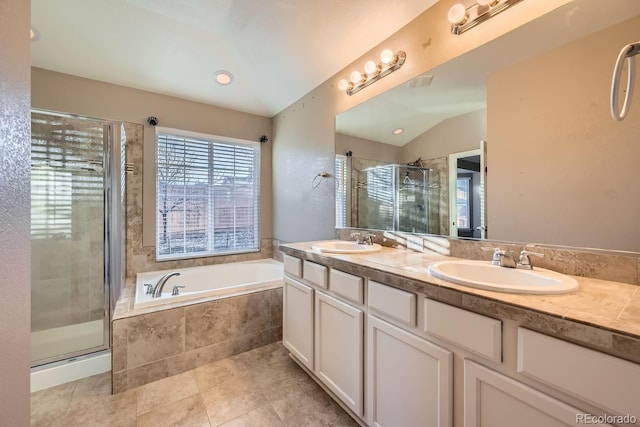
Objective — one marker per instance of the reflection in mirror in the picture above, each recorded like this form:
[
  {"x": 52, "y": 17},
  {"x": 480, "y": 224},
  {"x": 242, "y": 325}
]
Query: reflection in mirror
[
  {"x": 392, "y": 197},
  {"x": 559, "y": 169}
]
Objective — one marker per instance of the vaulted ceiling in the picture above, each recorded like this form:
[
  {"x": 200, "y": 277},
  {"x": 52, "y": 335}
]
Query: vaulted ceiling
[{"x": 276, "y": 50}]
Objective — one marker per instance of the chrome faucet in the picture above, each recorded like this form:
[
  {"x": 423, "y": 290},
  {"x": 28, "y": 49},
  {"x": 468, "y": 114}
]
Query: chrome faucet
[
  {"x": 502, "y": 258},
  {"x": 525, "y": 260},
  {"x": 367, "y": 240},
  {"x": 505, "y": 258},
  {"x": 157, "y": 289}
]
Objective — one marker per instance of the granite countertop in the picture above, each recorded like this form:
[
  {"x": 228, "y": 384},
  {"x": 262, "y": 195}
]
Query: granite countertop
[{"x": 603, "y": 315}]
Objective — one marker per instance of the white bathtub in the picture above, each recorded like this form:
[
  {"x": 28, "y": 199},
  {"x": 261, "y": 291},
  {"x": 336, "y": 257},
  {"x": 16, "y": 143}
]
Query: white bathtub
[{"x": 211, "y": 281}]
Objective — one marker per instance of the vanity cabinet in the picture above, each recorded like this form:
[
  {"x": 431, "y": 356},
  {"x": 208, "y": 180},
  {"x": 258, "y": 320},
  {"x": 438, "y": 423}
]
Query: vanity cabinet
[
  {"x": 494, "y": 400},
  {"x": 339, "y": 330},
  {"x": 391, "y": 356},
  {"x": 409, "y": 379},
  {"x": 297, "y": 320},
  {"x": 608, "y": 382}
]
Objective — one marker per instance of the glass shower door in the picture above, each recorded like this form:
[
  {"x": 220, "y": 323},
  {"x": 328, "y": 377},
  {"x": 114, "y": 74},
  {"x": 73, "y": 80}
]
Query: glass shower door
[{"x": 69, "y": 302}]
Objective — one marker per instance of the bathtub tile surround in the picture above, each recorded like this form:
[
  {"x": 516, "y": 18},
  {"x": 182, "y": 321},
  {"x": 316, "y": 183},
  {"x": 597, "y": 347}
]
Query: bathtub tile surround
[
  {"x": 151, "y": 344},
  {"x": 261, "y": 387},
  {"x": 277, "y": 255},
  {"x": 158, "y": 342},
  {"x": 143, "y": 258}
]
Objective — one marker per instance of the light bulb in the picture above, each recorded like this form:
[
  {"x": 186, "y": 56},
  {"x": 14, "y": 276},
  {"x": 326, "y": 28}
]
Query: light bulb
[
  {"x": 386, "y": 56},
  {"x": 457, "y": 14},
  {"x": 34, "y": 34},
  {"x": 355, "y": 77},
  {"x": 343, "y": 85},
  {"x": 223, "y": 77},
  {"x": 370, "y": 67}
]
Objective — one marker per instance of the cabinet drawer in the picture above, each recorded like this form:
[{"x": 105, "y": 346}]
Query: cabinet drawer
[
  {"x": 475, "y": 332},
  {"x": 315, "y": 274},
  {"x": 292, "y": 265},
  {"x": 346, "y": 285},
  {"x": 608, "y": 382},
  {"x": 392, "y": 302}
]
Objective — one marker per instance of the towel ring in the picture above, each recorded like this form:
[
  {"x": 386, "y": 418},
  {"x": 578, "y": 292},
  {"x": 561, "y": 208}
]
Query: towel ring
[{"x": 627, "y": 53}]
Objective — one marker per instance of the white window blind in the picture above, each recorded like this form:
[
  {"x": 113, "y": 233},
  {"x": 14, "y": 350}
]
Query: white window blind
[
  {"x": 207, "y": 196},
  {"x": 341, "y": 190}
]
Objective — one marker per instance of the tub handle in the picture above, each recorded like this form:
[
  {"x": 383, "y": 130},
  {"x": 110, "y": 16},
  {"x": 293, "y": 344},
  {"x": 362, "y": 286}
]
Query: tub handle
[
  {"x": 149, "y": 288},
  {"x": 176, "y": 290}
]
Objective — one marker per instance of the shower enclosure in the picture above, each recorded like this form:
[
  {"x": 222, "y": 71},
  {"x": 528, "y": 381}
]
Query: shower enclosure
[
  {"x": 77, "y": 194},
  {"x": 393, "y": 197}
]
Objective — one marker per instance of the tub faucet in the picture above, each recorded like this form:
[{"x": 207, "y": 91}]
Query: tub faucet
[{"x": 157, "y": 289}]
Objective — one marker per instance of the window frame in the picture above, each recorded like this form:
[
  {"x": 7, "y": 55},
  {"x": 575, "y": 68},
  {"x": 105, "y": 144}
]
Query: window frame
[
  {"x": 469, "y": 179},
  {"x": 210, "y": 140}
]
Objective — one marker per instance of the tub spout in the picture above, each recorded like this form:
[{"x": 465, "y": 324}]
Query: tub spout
[{"x": 157, "y": 289}]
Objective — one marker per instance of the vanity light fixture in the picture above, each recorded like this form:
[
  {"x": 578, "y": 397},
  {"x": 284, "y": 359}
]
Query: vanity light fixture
[
  {"x": 389, "y": 62},
  {"x": 464, "y": 18}
]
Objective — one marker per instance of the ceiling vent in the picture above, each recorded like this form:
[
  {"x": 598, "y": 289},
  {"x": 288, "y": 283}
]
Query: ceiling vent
[{"x": 420, "y": 81}]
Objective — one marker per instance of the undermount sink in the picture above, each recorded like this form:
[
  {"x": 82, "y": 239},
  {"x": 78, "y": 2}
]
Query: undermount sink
[
  {"x": 484, "y": 275},
  {"x": 344, "y": 247}
]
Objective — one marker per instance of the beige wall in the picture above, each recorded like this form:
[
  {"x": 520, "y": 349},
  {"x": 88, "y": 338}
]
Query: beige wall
[
  {"x": 454, "y": 135},
  {"x": 367, "y": 149},
  {"x": 304, "y": 131},
  {"x": 70, "y": 94},
  {"x": 561, "y": 170},
  {"x": 15, "y": 254}
]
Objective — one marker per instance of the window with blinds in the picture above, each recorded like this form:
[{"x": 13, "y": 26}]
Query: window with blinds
[
  {"x": 341, "y": 190},
  {"x": 207, "y": 195}
]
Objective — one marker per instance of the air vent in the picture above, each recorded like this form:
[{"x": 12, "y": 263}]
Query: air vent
[{"x": 420, "y": 81}]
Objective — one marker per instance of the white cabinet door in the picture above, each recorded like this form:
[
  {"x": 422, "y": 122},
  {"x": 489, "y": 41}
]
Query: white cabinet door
[
  {"x": 297, "y": 322},
  {"x": 494, "y": 400},
  {"x": 339, "y": 330},
  {"x": 409, "y": 379}
]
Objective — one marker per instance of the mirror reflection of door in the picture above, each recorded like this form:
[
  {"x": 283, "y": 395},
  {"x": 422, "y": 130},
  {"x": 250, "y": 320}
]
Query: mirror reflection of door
[{"x": 467, "y": 194}]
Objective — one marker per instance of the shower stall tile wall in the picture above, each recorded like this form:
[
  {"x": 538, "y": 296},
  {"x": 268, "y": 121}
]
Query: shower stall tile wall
[{"x": 156, "y": 345}]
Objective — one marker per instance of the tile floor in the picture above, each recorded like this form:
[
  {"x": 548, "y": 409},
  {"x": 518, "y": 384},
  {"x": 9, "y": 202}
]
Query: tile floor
[{"x": 261, "y": 388}]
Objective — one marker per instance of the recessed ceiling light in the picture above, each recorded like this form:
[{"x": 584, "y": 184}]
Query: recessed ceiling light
[
  {"x": 398, "y": 131},
  {"x": 34, "y": 34},
  {"x": 223, "y": 77}
]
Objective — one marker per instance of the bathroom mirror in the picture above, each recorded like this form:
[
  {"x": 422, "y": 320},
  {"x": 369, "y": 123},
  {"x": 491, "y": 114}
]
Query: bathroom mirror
[{"x": 559, "y": 169}]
